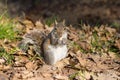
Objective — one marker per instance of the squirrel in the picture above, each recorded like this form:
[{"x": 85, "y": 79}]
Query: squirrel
[{"x": 53, "y": 46}]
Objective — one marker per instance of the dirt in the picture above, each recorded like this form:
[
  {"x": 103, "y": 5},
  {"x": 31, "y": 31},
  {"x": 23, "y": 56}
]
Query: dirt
[
  {"x": 84, "y": 61},
  {"x": 80, "y": 64},
  {"x": 92, "y": 12}
]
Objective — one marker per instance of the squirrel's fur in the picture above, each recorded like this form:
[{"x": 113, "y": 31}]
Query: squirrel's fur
[{"x": 52, "y": 46}]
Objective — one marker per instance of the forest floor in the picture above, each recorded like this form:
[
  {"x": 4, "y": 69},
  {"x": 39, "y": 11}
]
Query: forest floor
[
  {"x": 94, "y": 53},
  {"x": 94, "y": 47},
  {"x": 92, "y": 12}
]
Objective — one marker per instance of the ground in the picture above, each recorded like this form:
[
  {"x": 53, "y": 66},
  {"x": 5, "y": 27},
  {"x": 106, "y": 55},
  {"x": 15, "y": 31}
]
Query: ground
[
  {"x": 94, "y": 48},
  {"x": 93, "y": 54}
]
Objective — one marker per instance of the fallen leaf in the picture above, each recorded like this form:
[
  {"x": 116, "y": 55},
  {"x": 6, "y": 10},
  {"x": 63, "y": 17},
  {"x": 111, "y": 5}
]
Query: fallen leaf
[
  {"x": 84, "y": 45},
  {"x": 2, "y": 60},
  {"x": 27, "y": 74},
  {"x": 39, "y": 25},
  {"x": 117, "y": 43},
  {"x": 3, "y": 76},
  {"x": 31, "y": 65},
  {"x": 60, "y": 77}
]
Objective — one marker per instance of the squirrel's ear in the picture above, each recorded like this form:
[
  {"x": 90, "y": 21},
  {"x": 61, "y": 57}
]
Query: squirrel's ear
[
  {"x": 63, "y": 21},
  {"x": 56, "y": 22}
]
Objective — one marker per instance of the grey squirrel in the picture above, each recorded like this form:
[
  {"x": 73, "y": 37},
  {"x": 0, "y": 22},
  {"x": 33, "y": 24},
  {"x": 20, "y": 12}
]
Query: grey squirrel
[{"x": 52, "y": 46}]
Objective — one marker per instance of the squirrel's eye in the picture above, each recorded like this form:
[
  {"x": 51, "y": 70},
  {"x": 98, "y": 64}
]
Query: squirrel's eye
[{"x": 55, "y": 28}]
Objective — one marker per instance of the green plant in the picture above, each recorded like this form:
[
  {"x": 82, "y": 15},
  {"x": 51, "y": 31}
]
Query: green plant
[
  {"x": 50, "y": 20},
  {"x": 80, "y": 74},
  {"x": 115, "y": 49},
  {"x": 7, "y": 56},
  {"x": 6, "y": 28},
  {"x": 116, "y": 25}
]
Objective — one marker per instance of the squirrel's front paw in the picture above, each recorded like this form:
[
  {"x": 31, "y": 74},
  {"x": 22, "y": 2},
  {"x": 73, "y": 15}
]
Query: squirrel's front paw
[{"x": 63, "y": 41}]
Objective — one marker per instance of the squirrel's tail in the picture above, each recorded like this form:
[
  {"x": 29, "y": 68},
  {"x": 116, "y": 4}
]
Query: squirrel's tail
[
  {"x": 35, "y": 39},
  {"x": 24, "y": 44}
]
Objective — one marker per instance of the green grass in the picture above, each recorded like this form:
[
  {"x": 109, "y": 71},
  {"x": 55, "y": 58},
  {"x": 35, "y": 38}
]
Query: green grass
[
  {"x": 6, "y": 28},
  {"x": 50, "y": 20},
  {"x": 7, "y": 56},
  {"x": 80, "y": 74},
  {"x": 96, "y": 42},
  {"x": 6, "y": 32},
  {"x": 115, "y": 50},
  {"x": 101, "y": 40},
  {"x": 115, "y": 25}
]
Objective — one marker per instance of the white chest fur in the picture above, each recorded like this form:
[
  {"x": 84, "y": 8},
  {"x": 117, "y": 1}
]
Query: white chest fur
[
  {"x": 57, "y": 53},
  {"x": 54, "y": 54}
]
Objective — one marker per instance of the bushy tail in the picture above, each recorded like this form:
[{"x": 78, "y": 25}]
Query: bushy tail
[{"x": 24, "y": 44}]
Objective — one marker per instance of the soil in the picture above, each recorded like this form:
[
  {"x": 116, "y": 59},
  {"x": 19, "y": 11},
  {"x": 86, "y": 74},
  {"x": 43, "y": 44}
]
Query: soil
[
  {"x": 84, "y": 62},
  {"x": 92, "y": 12}
]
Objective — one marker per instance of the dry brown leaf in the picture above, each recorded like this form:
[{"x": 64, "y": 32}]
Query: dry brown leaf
[
  {"x": 21, "y": 60},
  {"x": 31, "y": 65},
  {"x": 112, "y": 55},
  {"x": 2, "y": 61},
  {"x": 6, "y": 41},
  {"x": 60, "y": 77},
  {"x": 87, "y": 75},
  {"x": 106, "y": 75},
  {"x": 28, "y": 23},
  {"x": 46, "y": 75},
  {"x": 102, "y": 28},
  {"x": 73, "y": 34},
  {"x": 36, "y": 78},
  {"x": 81, "y": 59},
  {"x": 39, "y": 25},
  {"x": 76, "y": 59},
  {"x": 3, "y": 76},
  {"x": 17, "y": 76},
  {"x": 110, "y": 30},
  {"x": 27, "y": 74},
  {"x": 20, "y": 28},
  {"x": 73, "y": 37},
  {"x": 101, "y": 67},
  {"x": 5, "y": 67},
  {"x": 84, "y": 45},
  {"x": 20, "y": 52},
  {"x": 59, "y": 64},
  {"x": 117, "y": 43},
  {"x": 49, "y": 28},
  {"x": 45, "y": 68}
]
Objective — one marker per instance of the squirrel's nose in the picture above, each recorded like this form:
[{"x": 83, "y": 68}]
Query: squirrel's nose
[{"x": 61, "y": 38}]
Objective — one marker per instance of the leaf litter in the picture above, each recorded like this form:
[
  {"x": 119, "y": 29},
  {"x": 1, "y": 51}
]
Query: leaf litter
[{"x": 93, "y": 55}]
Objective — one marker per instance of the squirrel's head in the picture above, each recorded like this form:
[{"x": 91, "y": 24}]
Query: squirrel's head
[
  {"x": 59, "y": 29},
  {"x": 59, "y": 33}
]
